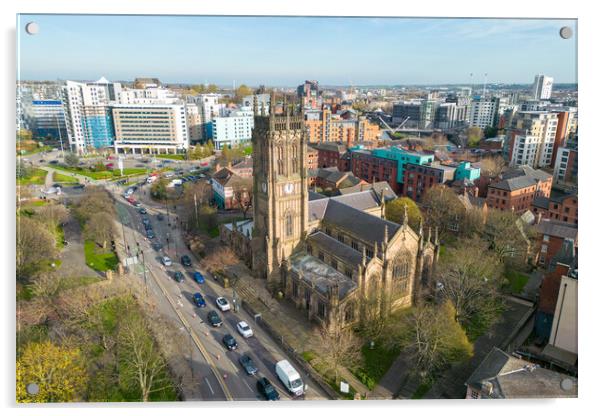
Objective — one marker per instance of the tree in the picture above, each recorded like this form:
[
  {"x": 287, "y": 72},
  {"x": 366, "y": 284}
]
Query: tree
[
  {"x": 242, "y": 92},
  {"x": 490, "y": 132},
  {"x": 159, "y": 189},
  {"x": 443, "y": 209},
  {"x": 24, "y": 135},
  {"x": 99, "y": 228},
  {"x": 339, "y": 348},
  {"x": 59, "y": 373},
  {"x": 95, "y": 199},
  {"x": 220, "y": 258},
  {"x": 212, "y": 88},
  {"x": 432, "y": 339},
  {"x": 53, "y": 215},
  {"x": 395, "y": 211},
  {"x": 145, "y": 367},
  {"x": 71, "y": 159},
  {"x": 471, "y": 281},
  {"x": 35, "y": 245},
  {"x": 474, "y": 136},
  {"x": 46, "y": 285},
  {"x": 243, "y": 195},
  {"x": 509, "y": 238},
  {"x": 492, "y": 166},
  {"x": 23, "y": 171}
]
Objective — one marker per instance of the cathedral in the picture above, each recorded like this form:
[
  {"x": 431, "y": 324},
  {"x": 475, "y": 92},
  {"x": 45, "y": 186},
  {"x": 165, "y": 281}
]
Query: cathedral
[{"x": 337, "y": 258}]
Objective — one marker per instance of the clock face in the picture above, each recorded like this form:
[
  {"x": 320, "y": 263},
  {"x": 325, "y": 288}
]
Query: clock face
[
  {"x": 288, "y": 188},
  {"x": 264, "y": 187}
]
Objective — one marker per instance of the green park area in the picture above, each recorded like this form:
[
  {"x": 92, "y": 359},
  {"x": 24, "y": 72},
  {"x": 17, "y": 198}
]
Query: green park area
[
  {"x": 98, "y": 258},
  {"x": 102, "y": 174},
  {"x": 32, "y": 177}
]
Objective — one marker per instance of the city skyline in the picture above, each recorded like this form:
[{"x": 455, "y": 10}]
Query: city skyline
[{"x": 441, "y": 51}]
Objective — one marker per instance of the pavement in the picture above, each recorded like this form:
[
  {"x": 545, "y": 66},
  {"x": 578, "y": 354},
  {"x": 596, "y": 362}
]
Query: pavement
[{"x": 217, "y": 373}]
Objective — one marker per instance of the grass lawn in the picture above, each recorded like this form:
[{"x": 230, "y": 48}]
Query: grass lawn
[
  {"x": 172, "y": 157},
  {"x": 25, "y": 149},
  {"x": 376, "y": 363},
  {"x": 104, "y": 174},
  {"x": 99, "y": 259},
  {"x": 59, "y": 234},
  {"x": 328, "y": 376},
  {"x": 516, "y": 281},
  {"x": 36, "y": 177},
  {"x": 59, "y": 177}
]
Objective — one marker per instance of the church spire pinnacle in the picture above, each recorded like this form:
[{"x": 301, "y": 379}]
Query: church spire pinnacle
[
  {"x": 436, "y": 235},
  {"x": 405, "y": 215},
  {"x": 364, "y": 256},
  {"x": 429, "y": 238}
]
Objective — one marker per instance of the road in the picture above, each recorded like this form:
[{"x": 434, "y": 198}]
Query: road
[{"x": 218, "y": 374}]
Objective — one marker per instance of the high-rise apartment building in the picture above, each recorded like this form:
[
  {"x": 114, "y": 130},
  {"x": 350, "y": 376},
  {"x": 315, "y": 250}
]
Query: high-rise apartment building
[
  {"x": 542, "y": 87},
  {"x": 484, "y": 112},
  {"x": 232, "y": 130},
  {"x": 45, "y": 118},
  {"x": 209, "y": 108},
  {"x": 531, "y": 138},
  {"x": 88, "y": 117}
]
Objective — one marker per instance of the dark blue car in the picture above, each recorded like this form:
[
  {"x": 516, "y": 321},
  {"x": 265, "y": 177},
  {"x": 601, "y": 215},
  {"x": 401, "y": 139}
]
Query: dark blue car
[
  {"x": 198, "y": 300},
  {"x": 198, "y": 277}
]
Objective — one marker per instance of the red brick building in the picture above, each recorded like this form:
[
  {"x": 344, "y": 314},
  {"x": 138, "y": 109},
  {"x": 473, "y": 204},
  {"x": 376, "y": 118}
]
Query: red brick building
[
  {"x": 374, "y": 169},
  {"x": 329, "y": 154},
  {"x": 312, "y": 158},
  {"x": 518, "y": 188},
  {"x": 420, "y": 178},
  {"x": 551, "y": 235},
  {"x": 559, "y": 207}
]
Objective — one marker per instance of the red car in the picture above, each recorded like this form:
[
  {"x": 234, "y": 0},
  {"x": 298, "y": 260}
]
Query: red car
[{"x": 109, "y": 166}]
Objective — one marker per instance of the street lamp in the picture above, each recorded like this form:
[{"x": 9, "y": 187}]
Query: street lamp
[{"x": 144, "y": 271}]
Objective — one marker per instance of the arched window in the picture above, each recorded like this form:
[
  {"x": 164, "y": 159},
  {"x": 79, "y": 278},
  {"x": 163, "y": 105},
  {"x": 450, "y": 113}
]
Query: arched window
[
  {"x": 288, "y": 224},
  {"x": 350, "y": 313}
]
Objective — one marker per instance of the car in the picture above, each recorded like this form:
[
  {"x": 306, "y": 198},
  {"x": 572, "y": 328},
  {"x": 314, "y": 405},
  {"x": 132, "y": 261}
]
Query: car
[
  {"x": 248, "y": 365},
  {"x": 267, "y": 390},
  {"x": 79, "y": 186},
  {"x": 57, "y": 185},
  {"x": 143, "y": 211},
  {"x": 169, "y": 175},
  {"x": 222, "y": 304},
  {"x": 157, "y": 246},
  {"x": 54, "y": 162},
  {"x": 178, "y": 277},
  {"x": 198, "y": 277},
  {"x": 186, "y": 261},
  {"x": 230, "y": 342},
  {"x": 214, "y": 319},
  {"x": 139, "y": 165},
  {"x": 244, "y": 329},
  {"x": 150, "y": 234},
  {"x": 160, "y": 217},
  {"x": 110, "y": 166},
  {"x": 166, "y": 261},
  {"x": 42, "y": 160},
  {"x": 145, "y": 220},
  {"x": 137, "y": 204},
  {"x": 198, "y": 300},
  {"x": 148, "y": 226}
]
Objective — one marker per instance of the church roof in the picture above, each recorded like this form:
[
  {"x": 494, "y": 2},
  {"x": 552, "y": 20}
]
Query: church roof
[
  {"x": 336, "y": 248},
  {"x": 321, "y": 275},
  {"x": 358, "y": 201},
  {"x": 365, "y": 226}
]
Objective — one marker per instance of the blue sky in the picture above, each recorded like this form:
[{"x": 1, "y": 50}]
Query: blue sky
[{"x": 288, "y": 50}]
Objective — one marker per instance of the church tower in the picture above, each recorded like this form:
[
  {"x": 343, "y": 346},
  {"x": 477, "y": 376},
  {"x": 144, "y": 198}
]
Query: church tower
[{"x": 280, "y": 191}]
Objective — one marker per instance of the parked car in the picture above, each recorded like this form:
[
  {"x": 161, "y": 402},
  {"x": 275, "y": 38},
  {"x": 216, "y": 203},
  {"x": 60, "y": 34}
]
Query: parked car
[
  {"x": 110, "y": 166},
  {"x": 157, "y": 246},
  {"x": 143, "y": 211},
  {"x": 267, "y": 390},
  {"x": 150, "y": 234},
  {"x": 229, "y": 342},
  {"x": 57, "y": 185},
  {"x": 222, "y": 304},
  {"x": 166, "y": 261},
  {"x": 214, "y": 319},
  {"x": 244, "y": 329},
  {"x": 198, "y": 277},
  {"x": 160, "y": 217},
  {"x": 137, "y": 204},
  {"x": 248, "y": 365},
  {"x": 145, "y": 221},
  {"x": 198, "y": 300},
  {"x": 148, "y": 226},
  {"x": 54, "y": 162},
  {"x": 178, "y": 277},
  {"x": 186, "y": 261},
  {"x": 79, "y": 186}
]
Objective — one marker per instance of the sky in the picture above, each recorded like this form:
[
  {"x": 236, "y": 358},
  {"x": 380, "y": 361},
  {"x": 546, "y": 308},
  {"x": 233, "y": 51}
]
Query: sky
[{"x": 285, "y": 51}]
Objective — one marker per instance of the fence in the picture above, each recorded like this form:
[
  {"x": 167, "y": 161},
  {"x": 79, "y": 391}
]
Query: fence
[{"x": 292, "y": 353}]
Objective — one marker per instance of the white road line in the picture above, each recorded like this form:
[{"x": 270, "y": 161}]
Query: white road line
[
  {"x": 233, "y": 366},
  {"x": 209, "y": 384},
  {"x": 248, "y": 386}
]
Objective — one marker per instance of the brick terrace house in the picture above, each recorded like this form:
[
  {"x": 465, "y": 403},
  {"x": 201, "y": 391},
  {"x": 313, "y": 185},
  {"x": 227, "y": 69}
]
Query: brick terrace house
[
  {"x": 229, "y": 188},
  {"x": 517, "y": 189},
  {"x": 559, "y": 206},
  {"x": 329, "y": 154},
  {"x": 551, "y": 234}
]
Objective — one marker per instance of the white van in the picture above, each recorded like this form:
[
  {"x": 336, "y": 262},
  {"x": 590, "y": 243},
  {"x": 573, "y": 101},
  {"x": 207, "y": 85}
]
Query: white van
[
  {"x": 289, "y": 377},
  {"x": 176, "y": 182}
]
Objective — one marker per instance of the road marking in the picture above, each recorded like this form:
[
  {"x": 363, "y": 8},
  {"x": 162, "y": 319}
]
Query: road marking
[
  {"x": 248, "y": 386},
  {"x": 209, "y": 384}
]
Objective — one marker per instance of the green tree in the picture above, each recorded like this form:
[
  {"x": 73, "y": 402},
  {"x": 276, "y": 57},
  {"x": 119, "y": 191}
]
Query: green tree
[
  {"x": 242, "y": 92},
  {"x": 212, "y": 88},
  {"x": 159, "y": 189},
  {"x": 490, "y": 132},
  {"x": 23, "y": 171},
  {"x": 509, "y": 238},
  {"x": 474, "y": 136},
  {"x": 396, "y": 208},
  {"x": 432, "y": 339},
  {"x": 59, "y": 373}
]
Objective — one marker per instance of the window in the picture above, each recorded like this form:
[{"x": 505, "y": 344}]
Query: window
[
  {"x": 288, "y": 224},
  {"x": 355, "y": 246},
  {"x": 349, "y": 313},
  {"x": 348, "y": 272},
  {"x": 321, "y": 310},
  {"x": 341, "y": 238},
  {"x": 334, "y": 263},
  {"x": 369, "y": 252},
  {"x": 309, "y": 249},
  {"x": 544, "y": 248},
  {"x": 321, "y": 256}
]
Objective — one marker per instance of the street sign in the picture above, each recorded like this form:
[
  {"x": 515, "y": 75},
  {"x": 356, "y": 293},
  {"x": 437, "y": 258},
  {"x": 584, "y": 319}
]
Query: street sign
[{"x": 344, "y": 387}]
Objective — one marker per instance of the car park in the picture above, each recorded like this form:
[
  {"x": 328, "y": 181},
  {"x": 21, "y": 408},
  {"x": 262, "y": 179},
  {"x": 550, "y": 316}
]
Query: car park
[
  {"x": 244, "y": 329},
  {"x": 166, "y": 261},
  {"x": 230, "y": 342},
  {"x": 214, "y": 319},
  {"x": 223, "y": 304},
  {"x": 178, "y": 277},
  {"x": 186, "y": 261},
  {"x": 267, "y": 390},
  {"x": 248, "y": 365},
  {"x": 198, "y": 300},
  {"x": 198, "y": 277}
]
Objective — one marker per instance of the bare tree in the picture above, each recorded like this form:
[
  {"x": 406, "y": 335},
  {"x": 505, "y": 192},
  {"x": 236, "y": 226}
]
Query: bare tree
[
  {"x": 35, "y": 244},
  {"x": 46, "y": 285},
  {"x": 492, "y": 166},
  {"x": 471, "y": 281},
  {"x": 99, "y": 228},
  {"x": 53, "y": 215},
  {"x": 509, "y": 237},
  {"x": 219, "y": 258},
  {"x": 339, "y": 348},
  {"x": 243, "y": 199}
]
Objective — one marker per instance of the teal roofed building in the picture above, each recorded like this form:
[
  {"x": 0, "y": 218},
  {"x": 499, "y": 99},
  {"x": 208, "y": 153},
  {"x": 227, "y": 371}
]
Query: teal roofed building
[
  {"x": 403, "y": 156},
  {"x": 464, "y": 170}
]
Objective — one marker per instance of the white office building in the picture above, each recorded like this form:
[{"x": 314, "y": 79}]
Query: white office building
[
  {"x": 233, "y": 129},
  {"x": 87, "y": 114},
  {"x": 542, "y": 87},
  {"x": 483, "y": 112}
]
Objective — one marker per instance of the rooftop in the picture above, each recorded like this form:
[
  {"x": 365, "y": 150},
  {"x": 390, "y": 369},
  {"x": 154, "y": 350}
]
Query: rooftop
[{"x": 320, "y": 274}]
